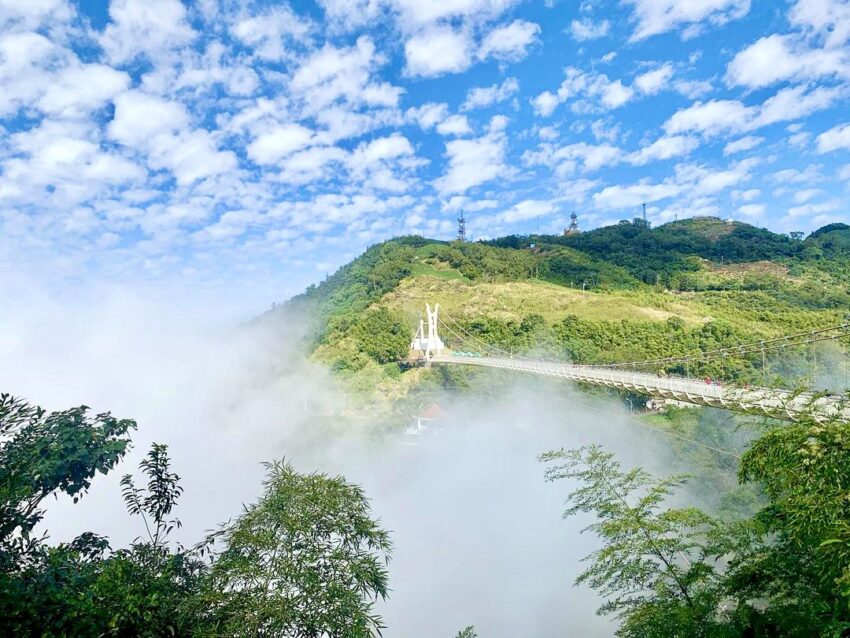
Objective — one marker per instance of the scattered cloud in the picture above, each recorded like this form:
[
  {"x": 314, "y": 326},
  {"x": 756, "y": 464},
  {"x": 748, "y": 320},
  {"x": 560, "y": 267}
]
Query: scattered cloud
[
  {"x": 509, "y": 42},
  {"x": 654, "y": 81},
  {"x": 484, "y": 96},
  {"x": 585, "y": 29},
  {"x": 437, "y": 51},
  {"x": 473, "y": 162},
  {"x": 654, "y": 17},
  {"x": 834, "y": 139},
  {"x": 746, "y": 143},
  {"x": 210, "y": 140}
]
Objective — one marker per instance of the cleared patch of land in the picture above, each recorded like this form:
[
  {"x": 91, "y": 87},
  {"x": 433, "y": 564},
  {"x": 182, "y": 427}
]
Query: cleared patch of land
[{"x": 515, "y": 300}]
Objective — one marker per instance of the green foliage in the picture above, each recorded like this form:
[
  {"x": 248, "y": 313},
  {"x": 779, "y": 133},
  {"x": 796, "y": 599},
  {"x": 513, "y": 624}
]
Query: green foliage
[
  {"x": 468, "y": 632},
  {"x": 83, "y": 588},
  {"x": 44, "y": 454},
  {"x": 381, "y": 335},
  {"x": 306, "y": 560},
  {"x": 802, "y": 568},
  {"x": 657, "y": 567},
  {"x": 160, "y": 497},
  {"x": 357, "y": 285},
  {"x": 679, "y": 572}
]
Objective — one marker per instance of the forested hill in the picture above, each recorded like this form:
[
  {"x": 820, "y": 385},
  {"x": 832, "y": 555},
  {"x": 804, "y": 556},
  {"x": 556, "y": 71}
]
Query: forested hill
[
  {"x": 601, "y": 295},
  {"x": 678, "y": 256}
]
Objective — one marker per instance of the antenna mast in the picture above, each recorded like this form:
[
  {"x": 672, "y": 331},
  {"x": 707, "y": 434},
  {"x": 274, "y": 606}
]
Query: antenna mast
[{"x": 461, "y": 228}]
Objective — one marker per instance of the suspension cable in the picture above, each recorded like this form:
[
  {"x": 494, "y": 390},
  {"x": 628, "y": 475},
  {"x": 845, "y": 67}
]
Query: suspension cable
[
  {"x": 754, "y": 347},
  {"x": 748, "y": 348}
]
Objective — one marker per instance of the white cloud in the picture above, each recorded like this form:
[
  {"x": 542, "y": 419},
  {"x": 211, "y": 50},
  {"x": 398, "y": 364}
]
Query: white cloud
[
  {"x": 711, "y": 118},
  {"x": 382, "y": 150},
  {"x": 427, "y": 115},
  {"x": 565, "y": 159},
  {"x": 746, "y": 143},
  {"x": 79, "y": 89},
  {"x": 161, "y": 129},
  {"x": 777, "y": 58},
  {"x": 33, "y": 14},
  {"x": 436, "y": 51},
  {"x": 654, "y": 17},
  {"x": 654, "y": 81},
  {"x": 65, "y": 157},
  {"x": 272, "y": 145},
  {"x": 485, "y": 96},
  {"x": 809, "y": 210},
  {"x": 190, "y": 156},
  {"x": 803, "y": 196},
  {"x": 509, "y": 42},
  {"x": 829, "y": 19},
  {"x": 310, "y": 164},
  {"x": 267, "y": 33},
  {"x": 335, "y": 74},
  {"x": 351, "y": 14},
  {"x": 794, "y": 102},
  {"x": 752, "y": 210},
  {"x": 545, "y": 103},
  {"x": 631, "y": 196},
  {"x": 592, "y": 92},
  {"x": 525, "y": 210},
  {"x": 691, "y": 181},
  {"x": 665, "y": 148},
  {"x": 139, "y": 117},
  {"x": 145, "y": 27},
  {"x": 417, "y": 13},
  {"x": 585, "y": 29},
  {"x": 474, "y": 162},
  {"x": 730, "y": 116},
  {"x": 615, "y": 94},
  {"x": 454, "y": 125},
  {"x": 796, "y": 176},
  {"x": 460, "y": 202},
  {"x": 747, "y": 195},
  {"x": 844, "y": 173},
  {"x": 834, "y": 139}
]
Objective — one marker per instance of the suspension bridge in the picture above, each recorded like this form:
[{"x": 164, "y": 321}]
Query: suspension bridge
[{"x": 468, "y": 350}]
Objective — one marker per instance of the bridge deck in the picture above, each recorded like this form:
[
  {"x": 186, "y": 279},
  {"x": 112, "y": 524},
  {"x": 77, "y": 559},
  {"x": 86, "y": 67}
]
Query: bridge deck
[{"x": 780, "y": 404}]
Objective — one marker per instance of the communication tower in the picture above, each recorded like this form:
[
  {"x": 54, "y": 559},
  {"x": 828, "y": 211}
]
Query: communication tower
[
  {"x": 461, "y": 228},
  {"x": 573, "y": 229}
]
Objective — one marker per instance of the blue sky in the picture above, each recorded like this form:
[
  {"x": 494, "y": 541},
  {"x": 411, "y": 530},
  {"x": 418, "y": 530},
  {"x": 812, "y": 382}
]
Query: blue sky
[{"x": 249, "y": 148}]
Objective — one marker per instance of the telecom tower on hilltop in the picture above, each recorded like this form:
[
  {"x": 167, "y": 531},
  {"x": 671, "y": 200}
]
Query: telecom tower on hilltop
[
  {"x": 461, "y": 228},
  {"x": 573, "y": 229}
]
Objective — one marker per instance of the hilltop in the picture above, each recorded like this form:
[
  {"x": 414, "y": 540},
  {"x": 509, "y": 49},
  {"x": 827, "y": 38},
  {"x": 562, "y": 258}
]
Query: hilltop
[{"x": 621, "y": 292}]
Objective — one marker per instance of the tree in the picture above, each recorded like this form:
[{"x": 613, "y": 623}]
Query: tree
[
  {"x": 306, "y": 560},
  {"x": 84, "y": 588},
  {"x": 160, "y": 497},
  {"x": 148, "y": 588},
  {"x": 47, "y": 453},
  {"x": 657, "y": 567},
  {"x": 799, "y": 568}
]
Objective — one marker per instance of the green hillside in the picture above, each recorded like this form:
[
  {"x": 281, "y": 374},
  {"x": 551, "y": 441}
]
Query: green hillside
[{"x": 619, "y": 293}]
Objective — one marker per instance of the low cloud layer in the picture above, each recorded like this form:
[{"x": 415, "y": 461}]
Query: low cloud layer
[{"x": 478, "y": 534}]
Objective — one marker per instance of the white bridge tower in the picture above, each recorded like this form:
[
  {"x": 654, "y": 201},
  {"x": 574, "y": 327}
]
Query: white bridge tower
[{"x": 428, "y": 343}]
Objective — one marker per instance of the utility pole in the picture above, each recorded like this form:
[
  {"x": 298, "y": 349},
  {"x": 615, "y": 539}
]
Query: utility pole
[{"x": 763, "y": 366}]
